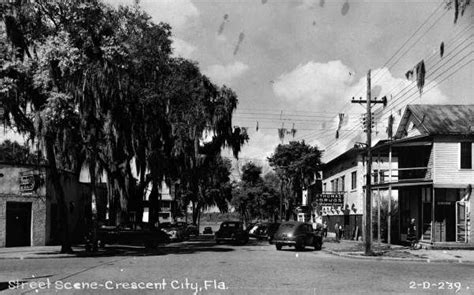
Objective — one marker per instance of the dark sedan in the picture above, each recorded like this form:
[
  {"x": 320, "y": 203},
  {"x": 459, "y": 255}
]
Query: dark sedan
[
  {"x": 232, "y": 231},
  {"x": 130, "y": 234},
  {"x": 298, "y": 235},
  {"x": 266, "y": 231}
]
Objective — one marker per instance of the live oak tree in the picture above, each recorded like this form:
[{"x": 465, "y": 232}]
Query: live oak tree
[{"x": 98, "y": 88}]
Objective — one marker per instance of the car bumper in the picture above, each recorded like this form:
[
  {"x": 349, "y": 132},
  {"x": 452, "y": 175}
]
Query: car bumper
[
  {"x": 284, "y": 242},
  {"x": 226, "y": 239}
]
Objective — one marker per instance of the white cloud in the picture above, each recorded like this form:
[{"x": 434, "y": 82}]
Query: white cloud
[
  {"x": 314, "y": 82},
  {"x": 221, "y": 38},
  {"x": 177, "y": 13},
  {"x": 182, "y": 48},
  {"x": 328, "y": 87},
  {"x": 225, "y": 74}
]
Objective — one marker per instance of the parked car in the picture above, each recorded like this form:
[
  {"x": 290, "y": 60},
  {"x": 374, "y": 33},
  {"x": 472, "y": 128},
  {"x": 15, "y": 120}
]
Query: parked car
[
  {"x": 176, "y": 232},
  {"x": 232, "y": 231},
  {"x": 192, "y": 230},
  {"x": 298, "y": 235},
  {"x": 252, "y": 228},
  {"x": 207, "y": 230},
  {"x": 266, "y": 231},
  {"x": 131, "y": 233}
]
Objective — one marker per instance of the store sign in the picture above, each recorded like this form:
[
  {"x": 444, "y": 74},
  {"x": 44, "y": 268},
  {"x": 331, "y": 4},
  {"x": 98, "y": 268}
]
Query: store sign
[
  {"x": 329, "y": 199},
  {"x": 29, "y": 182}
]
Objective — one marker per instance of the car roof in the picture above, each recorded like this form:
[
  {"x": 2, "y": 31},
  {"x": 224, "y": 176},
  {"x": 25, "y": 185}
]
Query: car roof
[{"x": 293, "y": 222}]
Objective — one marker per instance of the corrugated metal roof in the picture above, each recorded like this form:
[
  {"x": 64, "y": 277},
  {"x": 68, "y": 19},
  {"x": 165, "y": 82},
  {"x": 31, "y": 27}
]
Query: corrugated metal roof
[{"x": 445, "y": 119}]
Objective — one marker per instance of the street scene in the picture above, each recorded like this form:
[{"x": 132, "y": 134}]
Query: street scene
[{"x": 236, "y": 147}]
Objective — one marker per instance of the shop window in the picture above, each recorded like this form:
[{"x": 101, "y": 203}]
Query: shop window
[
  {"x": 466, "y": 155},
  {"x": 354, "y": 180}
]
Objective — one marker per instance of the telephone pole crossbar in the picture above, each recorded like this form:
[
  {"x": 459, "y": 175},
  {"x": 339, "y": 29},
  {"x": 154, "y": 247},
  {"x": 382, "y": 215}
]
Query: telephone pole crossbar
[{"x": 368, "y": 186}]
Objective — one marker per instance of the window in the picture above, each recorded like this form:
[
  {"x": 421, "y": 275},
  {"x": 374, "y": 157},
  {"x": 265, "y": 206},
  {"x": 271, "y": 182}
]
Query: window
[
  {"x": 354, "y": 180},
  {"x": 343, "y": 186},
  {"x": 466, "y": 155},
  {"x": 336, "y": 185},
  {"x": 324, "y": 187},
  {"x": 332, "y": 186}
]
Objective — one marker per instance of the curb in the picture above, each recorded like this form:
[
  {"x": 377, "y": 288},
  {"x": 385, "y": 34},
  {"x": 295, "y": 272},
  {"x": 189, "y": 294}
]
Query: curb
[{"x": 426, "y": 260}]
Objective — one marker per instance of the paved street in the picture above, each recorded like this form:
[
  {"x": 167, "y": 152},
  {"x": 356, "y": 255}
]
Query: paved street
[{"x": 256, "y": 268}]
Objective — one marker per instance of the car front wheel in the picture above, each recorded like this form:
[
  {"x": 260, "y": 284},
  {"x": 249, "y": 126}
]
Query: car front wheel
[
  {"x": 278, "y": 247},
  {"x": 317, "y": 246}
]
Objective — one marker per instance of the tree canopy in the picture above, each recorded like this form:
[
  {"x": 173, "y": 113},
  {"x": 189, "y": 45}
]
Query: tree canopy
[
  {"x": 297, "y": 164},
  {"x": 98, "y": 87},
  {"x": 256, "y": 197}
]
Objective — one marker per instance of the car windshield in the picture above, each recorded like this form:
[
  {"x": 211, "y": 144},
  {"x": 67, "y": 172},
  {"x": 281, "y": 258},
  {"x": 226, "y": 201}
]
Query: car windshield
[
  {"x": 233, "y": 225},
  {"x": 287, "y": 225}
]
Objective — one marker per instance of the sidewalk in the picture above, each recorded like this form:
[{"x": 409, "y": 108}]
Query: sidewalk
[
  {"x": 37, "y": 252},
  {"x": 355, "y": 249}
]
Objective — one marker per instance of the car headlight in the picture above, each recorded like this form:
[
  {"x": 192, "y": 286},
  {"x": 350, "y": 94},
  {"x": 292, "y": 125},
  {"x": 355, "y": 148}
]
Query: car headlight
[{"x": 290, "y": 235}]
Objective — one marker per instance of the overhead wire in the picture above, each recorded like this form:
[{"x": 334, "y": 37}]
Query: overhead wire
[
  {"x": 355, "y": 127},
  {"x": 403, "y": 45}
]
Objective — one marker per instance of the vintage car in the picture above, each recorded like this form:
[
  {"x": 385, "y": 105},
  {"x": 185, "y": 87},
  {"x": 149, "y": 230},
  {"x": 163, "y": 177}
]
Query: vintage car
[
  {"x": 192, "y": 230},
  {"x": 299, "y": 235},
  {"x": 207, "y": 230},
  {"x": 132, "y": 233},
  {"x": 232, "y": 231},
  {"x": 176, "y": 232},
  {"x": 266, "y": 231}
]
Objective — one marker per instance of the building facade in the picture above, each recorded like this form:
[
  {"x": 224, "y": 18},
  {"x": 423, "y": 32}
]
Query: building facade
[
  {"x": 434, "y": 147},
  {"x": 28, "y": 205},
  {"x": 342, "y": 200}
]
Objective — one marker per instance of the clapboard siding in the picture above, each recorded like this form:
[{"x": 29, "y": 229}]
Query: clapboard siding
[{"x": 446, "y": 165}]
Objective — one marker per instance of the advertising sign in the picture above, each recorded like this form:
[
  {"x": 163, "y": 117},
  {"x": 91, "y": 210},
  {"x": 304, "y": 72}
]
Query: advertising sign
[{"x": 329, "y": 199}]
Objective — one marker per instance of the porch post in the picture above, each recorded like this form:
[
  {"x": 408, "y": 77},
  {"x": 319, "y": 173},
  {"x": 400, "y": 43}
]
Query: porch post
[
  {"x": 389, "y": 217},
  {"x": 433, "y": 216},
  {"x": 378, "y": 198},
  {"x": 378, "y": 216}
]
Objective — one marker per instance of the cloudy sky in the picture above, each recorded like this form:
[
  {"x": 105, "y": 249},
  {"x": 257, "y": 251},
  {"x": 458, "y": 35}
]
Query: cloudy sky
[{"x": 297, "y": 63}]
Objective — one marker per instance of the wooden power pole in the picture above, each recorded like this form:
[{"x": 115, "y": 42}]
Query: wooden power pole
[{"x": 368, "y": 185}]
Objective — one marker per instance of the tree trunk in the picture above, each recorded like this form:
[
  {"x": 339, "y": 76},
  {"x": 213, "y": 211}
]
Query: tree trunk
[
  {"x": 153, "y": 201},
  {"x": 92, "y": 174},
  {"x": 194, "y": 213},
  {"x": 60, "y": 197},
  {"x": 199, "y": 218}
]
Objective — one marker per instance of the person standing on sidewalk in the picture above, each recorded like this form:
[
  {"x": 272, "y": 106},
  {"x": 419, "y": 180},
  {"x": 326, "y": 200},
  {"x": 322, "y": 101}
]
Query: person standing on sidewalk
[
  {"x": 325, "y": 229},
  {"x": 341, "y": 232},
  {"x": 411, "y": 237},
  {"x": 336, "y": 230}
]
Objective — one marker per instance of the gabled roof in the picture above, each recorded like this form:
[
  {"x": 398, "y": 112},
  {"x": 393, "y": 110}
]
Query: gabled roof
[{"x": 439, "y": 119}]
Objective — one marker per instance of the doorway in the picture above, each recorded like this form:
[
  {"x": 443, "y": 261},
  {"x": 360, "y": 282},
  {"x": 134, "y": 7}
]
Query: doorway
[{"x": 18, "y": 224}]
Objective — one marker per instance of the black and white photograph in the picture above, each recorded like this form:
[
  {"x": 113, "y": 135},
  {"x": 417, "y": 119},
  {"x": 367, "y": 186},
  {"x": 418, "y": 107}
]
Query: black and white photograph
[{"x": 236, "y": 147}]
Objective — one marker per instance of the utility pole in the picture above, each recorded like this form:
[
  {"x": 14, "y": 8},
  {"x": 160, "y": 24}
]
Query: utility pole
[{"x": 368, "y": 185}]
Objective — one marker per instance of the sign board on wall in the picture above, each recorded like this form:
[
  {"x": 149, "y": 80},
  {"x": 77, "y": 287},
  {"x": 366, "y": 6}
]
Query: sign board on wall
[
  {"x": 30, "y": 181},
  {"x": 329, "y": 199}
]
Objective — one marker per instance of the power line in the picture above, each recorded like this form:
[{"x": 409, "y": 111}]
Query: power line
[{"x": 391, "y": 109}]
